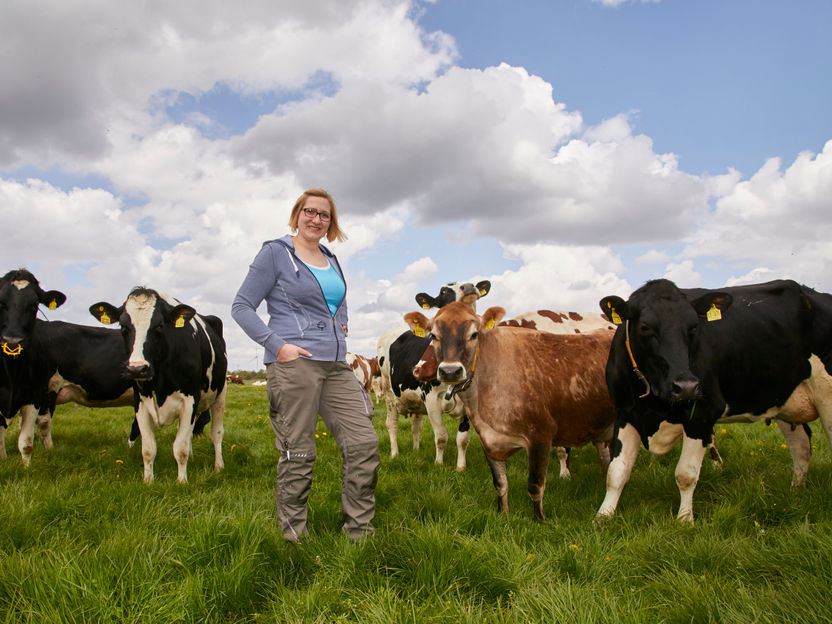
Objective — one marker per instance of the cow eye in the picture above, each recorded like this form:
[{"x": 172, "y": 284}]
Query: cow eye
[
  {"x": 474, "y": 336},
  {"x": 646, "y": 330}
]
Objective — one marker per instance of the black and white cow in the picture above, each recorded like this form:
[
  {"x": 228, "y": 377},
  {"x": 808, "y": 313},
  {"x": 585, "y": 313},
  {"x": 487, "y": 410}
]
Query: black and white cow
[
  {"x": 47, "y": 363},
  {"x": 682, "y": 360},
  {"x": 399, "y": 350},
  {"x": 177, "y": 363}
]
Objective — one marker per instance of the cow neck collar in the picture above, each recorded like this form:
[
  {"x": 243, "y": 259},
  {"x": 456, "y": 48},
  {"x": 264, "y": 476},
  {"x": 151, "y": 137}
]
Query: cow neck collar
[
  {"x": 638, "y": 373},
  {"x": 465, "y": 383}
]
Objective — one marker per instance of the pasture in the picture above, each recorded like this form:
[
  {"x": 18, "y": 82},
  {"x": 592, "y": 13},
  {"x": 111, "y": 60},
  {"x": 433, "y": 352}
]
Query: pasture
[{"x": 83, "y": 539}]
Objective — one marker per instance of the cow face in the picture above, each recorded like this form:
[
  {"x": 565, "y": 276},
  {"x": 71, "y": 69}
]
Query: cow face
[
  {"x": 454, "y": 291},
  {"x": 20, "y": 295},
  {"x": 146, "y": 319},
  {"x": 454, "y": 335},
  {"x": 662, "y": 328}
]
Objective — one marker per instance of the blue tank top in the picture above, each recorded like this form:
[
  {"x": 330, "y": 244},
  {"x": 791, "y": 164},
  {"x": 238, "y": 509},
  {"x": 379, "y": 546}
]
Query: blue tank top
[{"x": 332, "y": 285}]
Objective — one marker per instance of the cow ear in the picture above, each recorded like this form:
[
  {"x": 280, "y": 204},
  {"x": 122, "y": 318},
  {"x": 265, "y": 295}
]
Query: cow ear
[
  {"x": 491, "y": 317},
  {"x": 180, "y": 315},
  {"x": 418, "y": 323},
  {"x": 52, "y": 298},
  {"x": 483, "y": 287},
  {"x": 106, "y": 313},
  {"x": 712, "y": 305},
  {"x": 615, "y": 308},
  {"x": 426, "y": 302}
]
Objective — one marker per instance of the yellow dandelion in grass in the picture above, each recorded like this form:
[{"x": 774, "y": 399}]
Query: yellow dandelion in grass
[
  {"x": 324, "y": 433},
  {"x": 609, "y": 558},
  {"x": 530, "y": 557},
  {"x": 317, "y": 436},
  {"x": 724, "y": 430},
  {"x": 783, "y": 446},
  {"x": 233, "y": 446},
  {"x": 119, "y": 462},
  {"x": 103, "y": 451},
  {"x": 575, "y": 547}
]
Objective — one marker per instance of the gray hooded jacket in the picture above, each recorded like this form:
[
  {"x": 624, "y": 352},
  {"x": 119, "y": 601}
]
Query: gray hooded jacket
[{"x": 298, "y": 313}]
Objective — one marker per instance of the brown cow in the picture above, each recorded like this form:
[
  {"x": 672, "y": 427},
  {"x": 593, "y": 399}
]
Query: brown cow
[
  {"x": 364, "y": 368},
  {"x": 521, "y": 388}
]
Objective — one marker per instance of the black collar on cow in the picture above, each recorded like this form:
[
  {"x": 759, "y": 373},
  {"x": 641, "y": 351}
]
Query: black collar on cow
[
  {"x": 463, "y": 385},
  {"x": 638, "y": 373}
]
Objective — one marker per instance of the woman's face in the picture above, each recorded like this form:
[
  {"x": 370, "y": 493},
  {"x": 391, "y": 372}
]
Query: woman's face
[{"x": 314, "y": 227}]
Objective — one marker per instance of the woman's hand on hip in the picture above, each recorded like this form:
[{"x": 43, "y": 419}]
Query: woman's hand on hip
[{"x": 289, "y": 352}]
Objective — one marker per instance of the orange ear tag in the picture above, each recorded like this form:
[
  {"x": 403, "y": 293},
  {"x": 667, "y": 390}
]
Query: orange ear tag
[{"x": 714, "y": 313}]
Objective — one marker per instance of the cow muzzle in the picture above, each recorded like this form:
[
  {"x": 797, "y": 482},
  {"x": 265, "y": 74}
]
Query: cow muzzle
[
  {"x": 686, "y": 389},
  {"x": 12, "y": 346},
  {"x": 139, "y": 372},
  {"x": 450, "y": 372}
]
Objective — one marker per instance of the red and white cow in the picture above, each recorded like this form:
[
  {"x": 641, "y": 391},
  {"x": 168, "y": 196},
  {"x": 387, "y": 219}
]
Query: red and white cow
[
  {"x": 365, "y": 369},
  {"x": 399, "y": 350},
  {"x": 521, "y": 388}
]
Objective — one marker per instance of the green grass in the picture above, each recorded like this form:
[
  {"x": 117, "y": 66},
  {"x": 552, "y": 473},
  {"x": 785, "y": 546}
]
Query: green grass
[{"x": 83, "y": 539}]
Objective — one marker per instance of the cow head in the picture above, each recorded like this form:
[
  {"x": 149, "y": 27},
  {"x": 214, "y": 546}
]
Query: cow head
[
  {"x": 146, "y": 321},
  {"x": 20, "y": 295},
  {"x": 662, "y": 327},
  {"x": 454, "y": 336},
  {"x": 455, "y": 291}
]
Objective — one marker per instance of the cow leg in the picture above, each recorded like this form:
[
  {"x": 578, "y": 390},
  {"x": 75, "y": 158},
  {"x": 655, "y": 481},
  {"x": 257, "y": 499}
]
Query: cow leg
[
  {"x": 433, "y": 405},
  {"x": 26, "y": 437},
  {"x": 687, "y": 475},
  {"x": 603, "y": 450},
  {"x": 184, "y": 436},
  {"x": 148, "y": 436},
  {"x": 392, "y": 424},
  {"x": 800, "y": 446},
  {"x": 563, "y": 459},
  {"x": 538, "y": 467},
  {"x": 500, "y": 479},
  {"x": 44, "y": 422},
  {"x": 462, "y": 439},
  {"x": 716, "y": 458},
  {"x": 416, "y": 429},
  {"x": 621, "y": 465},
  {"x": 217, "y": 412}
]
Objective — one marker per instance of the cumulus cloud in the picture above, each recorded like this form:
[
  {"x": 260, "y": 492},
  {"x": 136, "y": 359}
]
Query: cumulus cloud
[{"x": 778, "y": 218}]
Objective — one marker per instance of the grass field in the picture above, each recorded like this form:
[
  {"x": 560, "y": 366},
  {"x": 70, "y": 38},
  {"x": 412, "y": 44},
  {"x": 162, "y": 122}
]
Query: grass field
[{"x": 83, "y": 539}]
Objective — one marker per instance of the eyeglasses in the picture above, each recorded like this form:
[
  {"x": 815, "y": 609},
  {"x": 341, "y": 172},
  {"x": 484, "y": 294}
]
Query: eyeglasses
[{"x": 312, "y": 213}]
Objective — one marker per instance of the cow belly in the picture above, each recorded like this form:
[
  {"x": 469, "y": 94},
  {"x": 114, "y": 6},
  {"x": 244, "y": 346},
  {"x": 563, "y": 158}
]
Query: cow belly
[
  {"x": 801, "y": 406},
  {"x": 410, "y": 402},
  {"x": 68, "y": 392},
  {"x": 169, "y": 411}
]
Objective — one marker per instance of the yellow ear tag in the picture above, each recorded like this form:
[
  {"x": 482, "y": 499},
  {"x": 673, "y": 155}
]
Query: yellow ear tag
[
  {"x": 426, "y": 306},
  {"x": 489, "y": 325},
  {"x": 613, "y": 314},
  {"x": 180, "y": 322},
  {"x": 713, "y": 314},
  {"x": 483, "y": 292},
  {"x": 417, "y": 330},
  {"x": 53, "y": 304},
  {"x": 103, "y": 318}
]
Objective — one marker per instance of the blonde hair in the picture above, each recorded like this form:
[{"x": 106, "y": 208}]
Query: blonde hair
[{"x": 333, "y": 232}]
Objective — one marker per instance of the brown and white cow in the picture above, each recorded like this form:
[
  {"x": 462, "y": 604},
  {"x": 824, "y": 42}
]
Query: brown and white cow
[
  {"x": 365, "y": 369},
  {"x": 554, "y": 322},
  {"x": 521, "y": 388},
  {"x": 399, "y": 351}
]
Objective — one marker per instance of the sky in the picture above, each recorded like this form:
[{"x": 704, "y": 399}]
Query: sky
[{"x": 565, "y": 150}]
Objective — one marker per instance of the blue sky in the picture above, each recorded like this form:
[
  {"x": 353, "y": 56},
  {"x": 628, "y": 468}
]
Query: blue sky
[{"x": 565, "y": 150}]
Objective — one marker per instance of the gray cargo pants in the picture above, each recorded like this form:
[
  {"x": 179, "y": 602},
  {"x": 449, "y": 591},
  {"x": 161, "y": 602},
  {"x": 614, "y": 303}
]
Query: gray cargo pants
[{"x": 298, "y": 391}]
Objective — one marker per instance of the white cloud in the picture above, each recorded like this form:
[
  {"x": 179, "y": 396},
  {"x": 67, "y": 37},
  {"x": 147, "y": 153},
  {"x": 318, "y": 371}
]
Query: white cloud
[
  {"x": 683, "y": 274},
  {"x": 654, "y": 256}
]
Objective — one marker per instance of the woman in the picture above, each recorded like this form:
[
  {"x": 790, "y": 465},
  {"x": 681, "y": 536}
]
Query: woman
[{"x": 305, "y": 341}]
